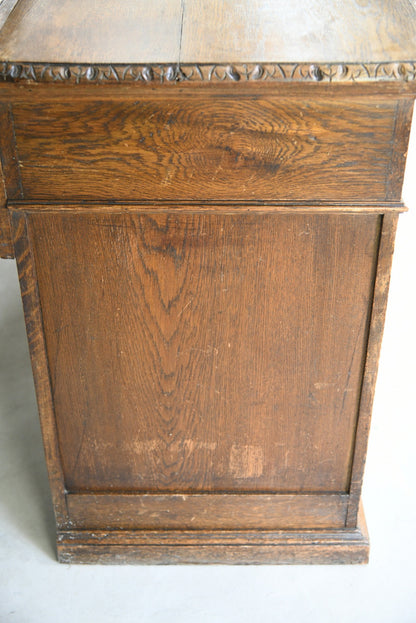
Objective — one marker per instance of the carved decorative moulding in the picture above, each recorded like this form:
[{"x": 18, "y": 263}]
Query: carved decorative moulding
[{"x": 171, "y": 73}]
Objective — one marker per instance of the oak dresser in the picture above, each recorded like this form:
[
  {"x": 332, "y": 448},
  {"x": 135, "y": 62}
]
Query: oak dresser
[{"x": 201, "y": 197}]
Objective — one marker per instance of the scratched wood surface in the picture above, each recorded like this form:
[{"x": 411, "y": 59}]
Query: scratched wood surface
[
  {"x": 379, "y": 305},
  {"x": 182, "y": 356},
  {"x": 209, "y": 31},
  {"x": 10, "y": 182},
  {"x": 72, "y": 29},
  {"x": 37, "y": 348},
  {"x": 207, "y": 149},
  {"x": 306, "y": 30},
  {"x": 207, "y": 511},
  {"x": 6, "y": 245},
  {"x": 215, "y": 546}
]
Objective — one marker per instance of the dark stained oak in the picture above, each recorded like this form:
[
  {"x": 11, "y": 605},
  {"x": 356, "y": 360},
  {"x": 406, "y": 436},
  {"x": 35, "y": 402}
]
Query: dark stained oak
[
  {"x": 6, "y": 244},
  {"x": 224, "y": 511},
  {"x": 9, "y": 161},
  {"x": 36, "y": 339},
  {"x": 200, "y": 306},
  {"x": 404, "y": 113},
  {"x": 379, "y": 304},
  {"x": 202, "y": 198},
  {"x": 268, "y": 148},
  {"x": 215, "y": 546}
]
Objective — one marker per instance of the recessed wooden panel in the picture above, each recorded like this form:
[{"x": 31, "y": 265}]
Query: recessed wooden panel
[
  {"x": 205, "y": 352},
  {"x": 194, "y": 149},
  {"x": 207, "y": 511}
]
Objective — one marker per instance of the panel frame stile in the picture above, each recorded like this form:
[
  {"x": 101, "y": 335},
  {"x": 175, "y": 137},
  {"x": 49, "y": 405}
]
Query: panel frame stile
[
  {"x": 37, "y": 348},
  {"x": 375, "y": 335}
]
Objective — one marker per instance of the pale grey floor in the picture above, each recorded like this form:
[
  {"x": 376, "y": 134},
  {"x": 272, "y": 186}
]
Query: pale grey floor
[{"x": 35, "y": 588}]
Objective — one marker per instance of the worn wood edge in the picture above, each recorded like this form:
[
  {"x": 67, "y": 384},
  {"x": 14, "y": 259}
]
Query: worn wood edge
[
  {"x": 9, "y": 159},
  {"x": 215, "y": 547},
  {"x": 171, "y": 73},
  {"x": 231, "y": 511},
  {"x": 375, "y": 335},
  {"x": 6, "y": 243},
  {"x": 37, "y": 348},
  {"x": 3, "y": 194},
  {"x": 228, "y": 207},
  {"x": 22, "y": 91},
  {"x": 395, "y": 174}
]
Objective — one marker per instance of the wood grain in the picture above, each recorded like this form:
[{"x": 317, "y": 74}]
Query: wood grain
[
  {"x": 22, "y": 92},
  {"x": 404, "y": 114},
  {"x": 169, "y": 31},
  {"x": 36, "y": 338},
  {"x": 225, "y": 511},
  {"x": 204, "y": 198},
  {"x": 379, "y": 305},
  {"x": 9, "y": 160},
  {"x": 224, "y": 547},
  {"x": 6, "y": 243},
  {"x": 184, "y": 148},
  {"x": 189, "y": 332},
  {"x": 73, "y": 30},
  {"x": 307, "y": 30},
  {"x": 228, "y": 208}
]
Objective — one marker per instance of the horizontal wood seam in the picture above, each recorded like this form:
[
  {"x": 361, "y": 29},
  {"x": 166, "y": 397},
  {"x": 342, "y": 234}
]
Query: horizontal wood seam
[{"x": 206, "y": 207}]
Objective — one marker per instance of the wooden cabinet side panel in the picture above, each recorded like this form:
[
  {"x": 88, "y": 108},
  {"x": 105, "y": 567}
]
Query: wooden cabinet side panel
[{"x": 205, "y": 352}]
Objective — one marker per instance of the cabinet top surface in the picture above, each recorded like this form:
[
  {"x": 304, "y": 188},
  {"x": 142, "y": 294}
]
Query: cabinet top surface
[{"x": 208, "y": 31}]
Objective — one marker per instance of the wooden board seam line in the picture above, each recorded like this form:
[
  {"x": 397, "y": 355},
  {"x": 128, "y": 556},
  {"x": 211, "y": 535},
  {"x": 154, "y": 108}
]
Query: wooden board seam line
[{"x": 228, "y": 208}]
